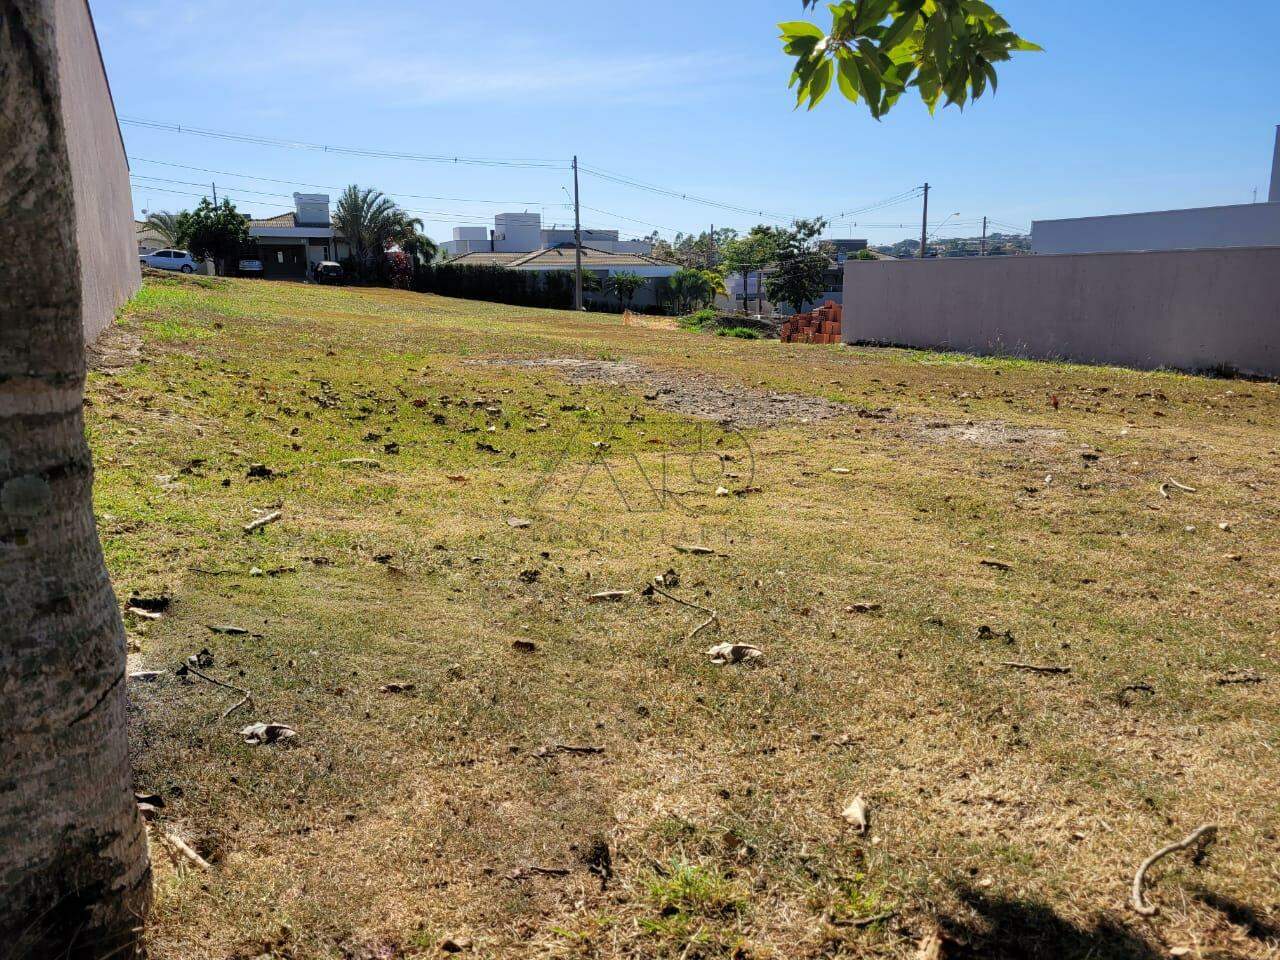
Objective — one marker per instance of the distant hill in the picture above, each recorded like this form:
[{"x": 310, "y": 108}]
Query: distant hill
[{"x": 998, "y": 245}]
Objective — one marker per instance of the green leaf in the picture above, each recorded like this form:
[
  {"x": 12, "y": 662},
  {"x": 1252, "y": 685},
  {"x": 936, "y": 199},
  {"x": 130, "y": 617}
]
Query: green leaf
[
  {"x": 1026, "y": 46},
  {"x": 801, "y": 28},
  {"x": 850, "y": 82},
  {"x": 820, "y": 83},
  {"x": 899, "y": 31},
  {"x": 870, "y": 86}
]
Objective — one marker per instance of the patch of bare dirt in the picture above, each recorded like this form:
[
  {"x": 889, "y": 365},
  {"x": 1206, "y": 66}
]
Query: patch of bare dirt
[
  {"x": 985, "y": 433},
  {"x": 695, "y": 395},
  {"x": 115, "y": 350}
]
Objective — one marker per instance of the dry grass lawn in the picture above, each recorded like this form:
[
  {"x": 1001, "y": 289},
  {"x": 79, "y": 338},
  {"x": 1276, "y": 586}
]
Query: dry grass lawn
[{"x": 556, "y": 777}]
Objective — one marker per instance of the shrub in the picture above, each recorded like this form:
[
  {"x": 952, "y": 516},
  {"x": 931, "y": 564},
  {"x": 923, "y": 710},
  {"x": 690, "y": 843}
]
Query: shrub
[
  {"x": 399, "y": 270},
  {"x": 700, "y": 320},
  {"x": 497, "y": 284}
]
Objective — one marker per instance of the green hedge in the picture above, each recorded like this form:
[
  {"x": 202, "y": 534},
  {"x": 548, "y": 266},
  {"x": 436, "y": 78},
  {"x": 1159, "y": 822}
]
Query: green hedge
[{"x": 523, "y": 288}]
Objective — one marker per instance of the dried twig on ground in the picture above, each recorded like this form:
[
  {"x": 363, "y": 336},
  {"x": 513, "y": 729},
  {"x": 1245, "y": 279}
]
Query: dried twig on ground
[
  {"x": 524, "y": 872},
  {"x": 262, "y": 521},
  {"x": 1202, "y": 836},
  {"x": 711, "y": 614},
  {"x": 568, "y": 748},
  {"x": 1181, "y": 486},
  {"x": 181, "y": 846},
  {"x": 858, "y": 922},
  {"x": 248, "y": 697},
  {"x": 1034, "y": 667}
]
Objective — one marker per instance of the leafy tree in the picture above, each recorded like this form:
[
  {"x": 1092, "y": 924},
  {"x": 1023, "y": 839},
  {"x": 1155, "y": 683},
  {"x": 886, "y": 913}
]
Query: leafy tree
[
  {"x": 218, "y": 232},
  {"x": 624, "y": 284},
  {"x": 74, "y": 873},
  {"x": 750, "y": 254},
  {"x": 703, "y": 250},
  {"x": 876, "y": 49},
  {"x": 165, "y": 225},
  {"x": 800, "y": 274}
]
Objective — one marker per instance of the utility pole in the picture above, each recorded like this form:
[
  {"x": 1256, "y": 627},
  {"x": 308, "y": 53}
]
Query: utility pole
[
  {"x": 924, "y": 222},
  {"x": 983, "y": 248},
  {"x": 215, "y": 193},
  {"x": 711, "y": 247},
  {"x": 577, "y": 240}
]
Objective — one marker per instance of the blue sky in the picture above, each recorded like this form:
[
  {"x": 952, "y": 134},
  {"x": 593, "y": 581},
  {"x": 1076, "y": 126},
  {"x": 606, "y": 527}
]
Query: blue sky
[{"x": 1135, "y": 105}]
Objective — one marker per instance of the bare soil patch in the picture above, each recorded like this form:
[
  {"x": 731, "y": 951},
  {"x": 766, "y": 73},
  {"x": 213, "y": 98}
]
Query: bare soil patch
[
  {"x": 986, "y": 433},
  {"x": 692, "y": 394},
  {"x": 115, "y": 350}
]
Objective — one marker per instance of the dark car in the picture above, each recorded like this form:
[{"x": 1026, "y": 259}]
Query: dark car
[
  {"x": 250, "y": 267},
  {"x": 328, "y": 272}
]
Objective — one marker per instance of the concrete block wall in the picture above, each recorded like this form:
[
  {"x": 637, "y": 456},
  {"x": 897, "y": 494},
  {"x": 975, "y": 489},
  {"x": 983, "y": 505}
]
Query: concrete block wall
[
  {"x": 109, "y": 271},
  {"x": 1187, "y": 309}
]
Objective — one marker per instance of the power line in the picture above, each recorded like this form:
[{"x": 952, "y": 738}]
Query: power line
[
  {"x": 609, "y": 213},
  {"x": 288, "y": 196},
  {"x": 840, "y": 219},
  {"x": 348, "y": 151},
  {"x": 893, "y": 201},
  {"x": 323, "y": 186},
  {"x": 680, "y": 195},
  {"x": 236, "y": 192}
]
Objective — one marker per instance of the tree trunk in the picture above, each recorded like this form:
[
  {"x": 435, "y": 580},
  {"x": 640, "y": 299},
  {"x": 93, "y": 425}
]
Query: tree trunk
[{"x": 74, "y": 873}]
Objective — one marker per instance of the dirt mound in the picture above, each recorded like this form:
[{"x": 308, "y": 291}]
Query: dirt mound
[{"x": 694, "y": 395}]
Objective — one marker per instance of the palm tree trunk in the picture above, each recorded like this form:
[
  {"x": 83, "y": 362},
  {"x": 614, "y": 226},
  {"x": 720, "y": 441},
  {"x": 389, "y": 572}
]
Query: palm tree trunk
[{"x": 74, "y": 873}]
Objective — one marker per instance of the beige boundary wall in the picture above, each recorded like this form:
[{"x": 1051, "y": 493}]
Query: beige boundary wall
[
  {"x": 1185, "y": 309},
  {"x": 109, "y": 272}
]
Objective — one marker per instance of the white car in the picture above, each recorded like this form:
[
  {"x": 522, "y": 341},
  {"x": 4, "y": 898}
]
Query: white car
[{"x": 170, "y": 260}]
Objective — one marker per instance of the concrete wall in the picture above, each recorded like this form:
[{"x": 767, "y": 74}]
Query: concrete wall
[
  {"x": 517, "y": 232},
  {"x": 1241, "y": 225},
  {"x": 1274, "y": 196},
  {"x": 105, "y": 233},
  {"x": 1190, "y": 310}
]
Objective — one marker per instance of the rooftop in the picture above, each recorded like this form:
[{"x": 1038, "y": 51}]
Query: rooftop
[
  {"x": 563, "y": 256},
  {"x": 289, "y": 219},
  {"x": 484, "y": 258}
]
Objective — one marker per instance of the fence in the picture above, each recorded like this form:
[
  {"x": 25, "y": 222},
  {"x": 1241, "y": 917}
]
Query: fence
[
  {"x": 109, "y": 272},
  {"x": 1216, "y": 309}
]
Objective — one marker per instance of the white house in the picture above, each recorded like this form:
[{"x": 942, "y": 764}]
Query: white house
[
  {"x": 288, "y": 244},
  {"x": 600, "y": 264},
  {"x": 1237, "y": 225},
  {"x": 524, "y": 233}
]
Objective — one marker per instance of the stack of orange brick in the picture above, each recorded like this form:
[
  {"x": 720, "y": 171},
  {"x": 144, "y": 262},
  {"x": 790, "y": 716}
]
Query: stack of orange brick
[{"x": 818, "y": 326}]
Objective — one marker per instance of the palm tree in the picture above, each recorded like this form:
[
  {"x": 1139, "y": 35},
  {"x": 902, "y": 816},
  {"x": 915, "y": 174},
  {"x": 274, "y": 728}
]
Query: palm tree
[
  {"x": 419, "y": 246},
  {"x": 693, "y": 287},
  {"x": 625, "y": 283},
  {"x": 406, "y": 233},
  {"x": 73, "y": 855},
  {"x": 165, "y": 225},
  {"x": 366, "y": 218},
  {"x": 715, "y": 286}
]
